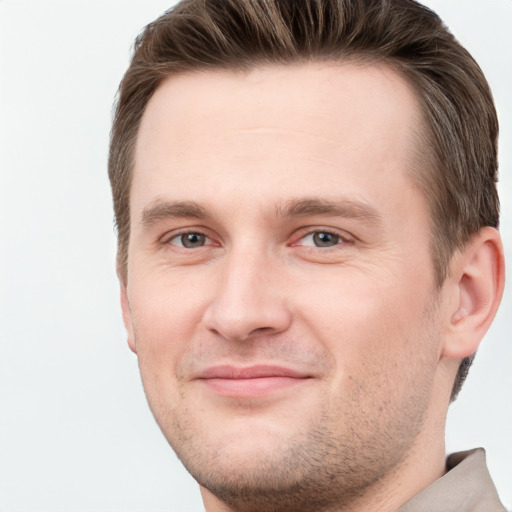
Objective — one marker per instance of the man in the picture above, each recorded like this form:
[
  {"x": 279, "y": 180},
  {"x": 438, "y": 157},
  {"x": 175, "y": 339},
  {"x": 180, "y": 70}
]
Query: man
[{"x": 308, "y": 254}]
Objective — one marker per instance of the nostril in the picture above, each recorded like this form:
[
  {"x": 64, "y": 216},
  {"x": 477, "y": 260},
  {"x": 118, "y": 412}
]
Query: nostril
[{"x": 262, "y": 329}]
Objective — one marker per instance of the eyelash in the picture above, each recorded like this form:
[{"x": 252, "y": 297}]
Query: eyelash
[
  {"x": 341, "y": 239},
  {"x": 168, "y": 240}
]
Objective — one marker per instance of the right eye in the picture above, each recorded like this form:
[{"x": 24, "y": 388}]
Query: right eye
[{"x": 190, "y": 240}]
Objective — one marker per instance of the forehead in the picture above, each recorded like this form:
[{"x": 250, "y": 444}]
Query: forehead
[{"x": 274, "y": 129}]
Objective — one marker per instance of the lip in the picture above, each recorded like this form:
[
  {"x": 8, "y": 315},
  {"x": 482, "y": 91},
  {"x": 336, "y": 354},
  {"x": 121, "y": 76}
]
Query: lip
[{"x": 252, "y": 381}]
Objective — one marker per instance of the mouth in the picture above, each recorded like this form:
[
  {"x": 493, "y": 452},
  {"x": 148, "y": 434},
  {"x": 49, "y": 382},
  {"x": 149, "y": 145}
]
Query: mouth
[{"x": 252, "y": 381}]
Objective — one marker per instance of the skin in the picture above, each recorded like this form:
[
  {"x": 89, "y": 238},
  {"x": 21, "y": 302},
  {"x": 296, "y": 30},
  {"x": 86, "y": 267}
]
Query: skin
[{"x": 308, "y": 250}]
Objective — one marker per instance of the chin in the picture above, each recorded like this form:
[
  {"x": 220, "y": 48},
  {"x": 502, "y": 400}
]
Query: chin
[{"x": 258, "y": 475}]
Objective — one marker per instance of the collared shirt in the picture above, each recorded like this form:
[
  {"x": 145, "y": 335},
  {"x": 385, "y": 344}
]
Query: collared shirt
[{"x": 465, "y": 487}]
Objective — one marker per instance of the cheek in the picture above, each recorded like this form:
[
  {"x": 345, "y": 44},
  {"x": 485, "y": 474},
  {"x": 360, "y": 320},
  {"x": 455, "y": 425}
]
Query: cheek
[
  {"x": 369, "y": 328},
  {"x": 164, "y": 322},
  {"x": 166, "y": 314}
]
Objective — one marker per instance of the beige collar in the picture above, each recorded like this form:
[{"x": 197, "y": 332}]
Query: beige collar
[{"x": 465, "y": 487}]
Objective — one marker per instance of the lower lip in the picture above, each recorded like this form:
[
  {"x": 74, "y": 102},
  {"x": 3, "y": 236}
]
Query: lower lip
[{"x": 254, "y": 387}]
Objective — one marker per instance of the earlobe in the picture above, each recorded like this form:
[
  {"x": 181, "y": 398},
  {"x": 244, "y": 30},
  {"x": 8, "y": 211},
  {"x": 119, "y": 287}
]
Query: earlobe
[
  {"x": 127, "y": 314},
  {"x": 477, "y": 281}
]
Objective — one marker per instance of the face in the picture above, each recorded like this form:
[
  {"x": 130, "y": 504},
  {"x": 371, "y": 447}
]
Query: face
[{"x": 280, "y": 294}]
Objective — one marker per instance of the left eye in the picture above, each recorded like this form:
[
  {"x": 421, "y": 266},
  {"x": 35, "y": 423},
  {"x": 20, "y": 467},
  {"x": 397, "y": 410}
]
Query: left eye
[
  {"x": 190, "y": 240},
  {"x": 321, "y": 239}
]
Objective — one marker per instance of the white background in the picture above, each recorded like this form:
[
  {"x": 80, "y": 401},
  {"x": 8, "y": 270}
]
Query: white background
[{"x": 75, "y": 431}]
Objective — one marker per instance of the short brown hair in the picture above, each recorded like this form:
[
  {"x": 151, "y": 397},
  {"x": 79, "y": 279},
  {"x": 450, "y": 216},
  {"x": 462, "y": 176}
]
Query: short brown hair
[{"x": 459, "y": 181}]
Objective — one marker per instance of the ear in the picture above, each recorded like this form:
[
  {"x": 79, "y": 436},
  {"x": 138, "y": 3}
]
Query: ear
[
  {"x": 125, "y": 307},
  {"x": 476, "y": 282}
]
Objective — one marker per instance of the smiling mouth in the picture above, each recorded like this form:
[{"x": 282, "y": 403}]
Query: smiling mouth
[{"x": 250, "y": 382}]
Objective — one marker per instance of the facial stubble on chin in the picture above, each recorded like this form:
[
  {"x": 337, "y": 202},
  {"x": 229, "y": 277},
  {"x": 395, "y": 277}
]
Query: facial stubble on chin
[
  {"x": 322, "y": 468},
  {"x": 317, "y": 471}
]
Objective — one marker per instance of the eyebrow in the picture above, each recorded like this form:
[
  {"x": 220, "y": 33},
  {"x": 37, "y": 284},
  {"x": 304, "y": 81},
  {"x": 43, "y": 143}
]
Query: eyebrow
[
  {"x": 342, "y": 208},
  {"x": 304, "y": 207},
  {"x": 167, "y": 210}
]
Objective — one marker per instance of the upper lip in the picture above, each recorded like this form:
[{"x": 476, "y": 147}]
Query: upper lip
[{"x": 250, "y": 372}]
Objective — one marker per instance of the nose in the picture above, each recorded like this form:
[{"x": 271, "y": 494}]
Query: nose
[{"x": 249, "y": 300}]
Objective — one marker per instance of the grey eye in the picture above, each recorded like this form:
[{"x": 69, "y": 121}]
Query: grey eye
[
  {"x": 191, "y": 240},
  {"x": 324, "y": 239}
]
